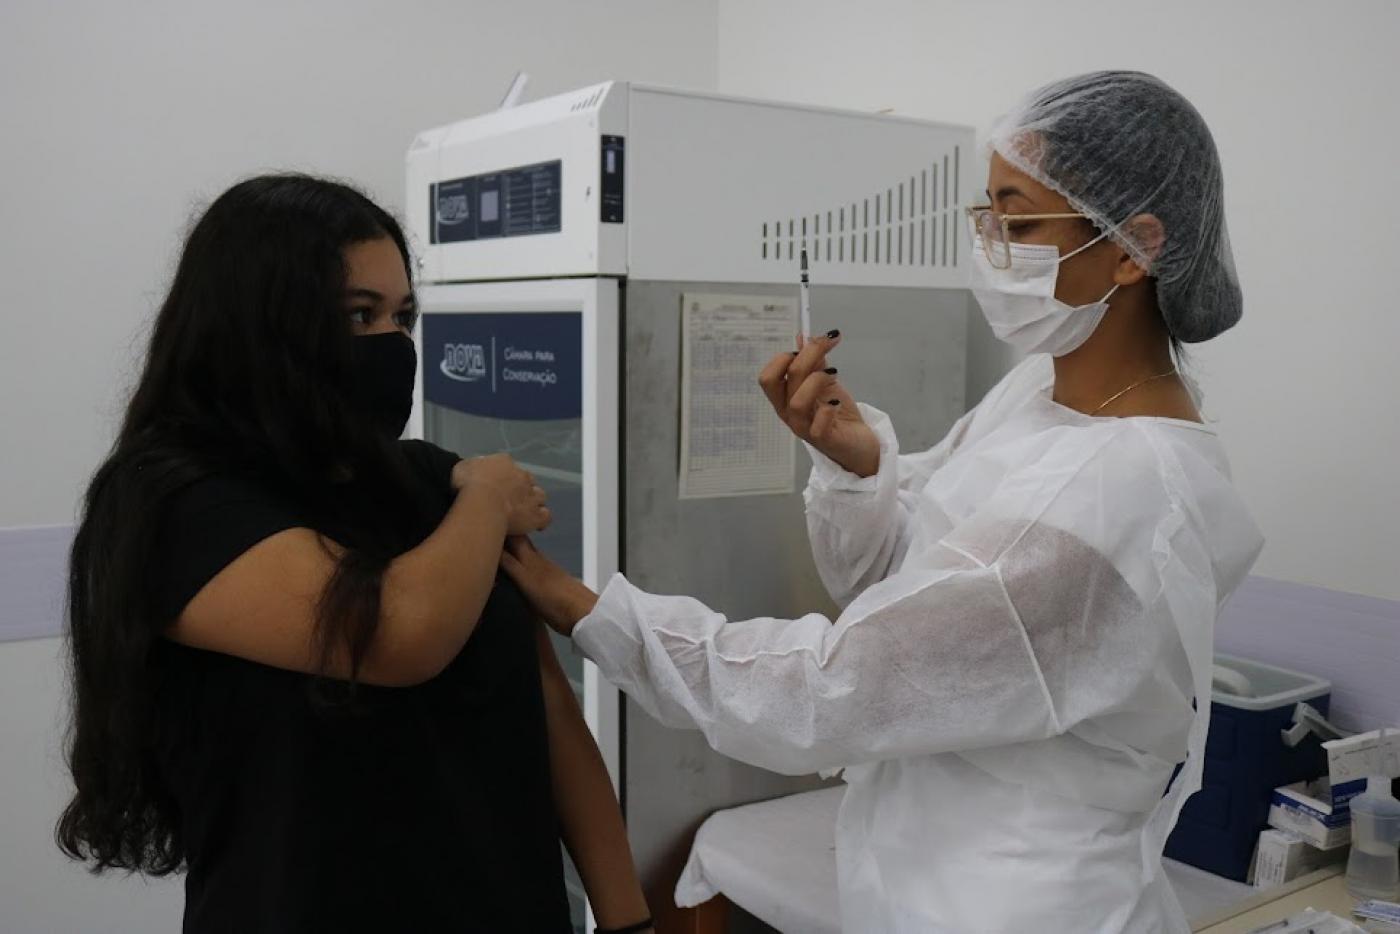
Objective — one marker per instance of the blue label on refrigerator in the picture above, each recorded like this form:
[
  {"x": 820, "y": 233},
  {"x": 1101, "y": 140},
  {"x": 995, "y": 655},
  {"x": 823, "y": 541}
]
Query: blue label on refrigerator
[
  {"x": 513, "y": 203},
  {"x": 522, "y": 366}
]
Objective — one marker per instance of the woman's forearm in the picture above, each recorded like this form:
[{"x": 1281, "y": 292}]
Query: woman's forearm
[{"x": 589, "y": 817}]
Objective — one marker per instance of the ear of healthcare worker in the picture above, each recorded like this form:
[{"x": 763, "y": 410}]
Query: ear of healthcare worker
[{"x": 809, "y": 398}]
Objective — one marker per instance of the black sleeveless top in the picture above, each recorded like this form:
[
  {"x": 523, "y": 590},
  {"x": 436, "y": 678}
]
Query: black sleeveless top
[{"x": 405, "y": 809}]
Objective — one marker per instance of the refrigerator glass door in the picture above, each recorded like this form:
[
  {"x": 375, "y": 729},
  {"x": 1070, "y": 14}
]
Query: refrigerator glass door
[{"x": 530, "y": 368}]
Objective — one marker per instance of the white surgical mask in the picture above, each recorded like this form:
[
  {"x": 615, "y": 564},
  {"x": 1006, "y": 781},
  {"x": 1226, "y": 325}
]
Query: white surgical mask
[{"x": 1020, "y": 305}]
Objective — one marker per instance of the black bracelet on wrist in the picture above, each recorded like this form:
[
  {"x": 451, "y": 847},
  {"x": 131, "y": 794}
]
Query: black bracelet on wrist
[{"x": 630, "y": 929}]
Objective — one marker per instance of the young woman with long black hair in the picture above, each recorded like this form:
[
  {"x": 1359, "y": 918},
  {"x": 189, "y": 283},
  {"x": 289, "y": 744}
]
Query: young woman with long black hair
[{"x": 297, "y": 675}]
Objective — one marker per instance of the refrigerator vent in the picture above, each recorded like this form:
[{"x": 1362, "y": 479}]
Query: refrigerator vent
[
  {"x": 914, "y": 221},
  {"x": 586, "y": 102}
]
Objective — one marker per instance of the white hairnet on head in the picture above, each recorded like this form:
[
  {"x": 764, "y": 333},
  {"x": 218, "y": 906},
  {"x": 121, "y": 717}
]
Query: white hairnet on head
[{"x": 1121, "y": 144}]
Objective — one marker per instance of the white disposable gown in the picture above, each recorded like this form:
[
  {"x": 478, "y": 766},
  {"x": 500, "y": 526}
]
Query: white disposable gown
[{"x": 1023, "y": 658}]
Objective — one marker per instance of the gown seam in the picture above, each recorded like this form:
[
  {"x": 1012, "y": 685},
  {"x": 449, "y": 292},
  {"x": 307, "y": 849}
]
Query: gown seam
[{"x": 1030, "y": 652}]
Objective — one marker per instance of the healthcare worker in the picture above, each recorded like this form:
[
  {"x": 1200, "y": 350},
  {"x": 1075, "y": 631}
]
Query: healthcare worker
[{"x": 1024, "y": 654}]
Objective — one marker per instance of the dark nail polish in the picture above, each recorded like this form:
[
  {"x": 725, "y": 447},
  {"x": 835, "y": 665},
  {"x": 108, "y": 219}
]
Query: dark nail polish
[
  {"x": 830, "y": 371},
  {"x": 833, "y": 334}
]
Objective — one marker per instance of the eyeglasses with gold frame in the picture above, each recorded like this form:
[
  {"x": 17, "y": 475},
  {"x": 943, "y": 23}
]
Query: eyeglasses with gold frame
[{"x": 994, "y": 230}]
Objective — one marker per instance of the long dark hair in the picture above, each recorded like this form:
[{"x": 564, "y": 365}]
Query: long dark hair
[{"x": 249, "y": 370}]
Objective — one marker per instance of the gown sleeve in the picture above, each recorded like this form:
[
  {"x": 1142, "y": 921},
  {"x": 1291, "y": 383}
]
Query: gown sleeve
[
  {"x": 1014, "y": 627},
  {"x": 859, "y": 527}
]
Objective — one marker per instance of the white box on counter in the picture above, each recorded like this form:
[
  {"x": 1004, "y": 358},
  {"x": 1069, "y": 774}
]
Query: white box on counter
[
  {"x": 1320, "y": 811},
  {"x": 1307, "y": 809},
  {"x": 1284, "y": 856}
]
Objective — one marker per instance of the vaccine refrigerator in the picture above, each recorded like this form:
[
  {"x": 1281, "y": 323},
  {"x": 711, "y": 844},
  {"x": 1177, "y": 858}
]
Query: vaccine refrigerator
[{"x": 556, "y": 241}]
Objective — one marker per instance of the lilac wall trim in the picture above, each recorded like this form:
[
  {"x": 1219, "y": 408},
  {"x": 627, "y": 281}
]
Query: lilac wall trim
[
  {"x": 33, "y": 565},
  {"x": 1351, "y": 640}
]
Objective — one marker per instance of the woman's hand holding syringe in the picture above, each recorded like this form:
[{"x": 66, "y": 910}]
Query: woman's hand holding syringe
[{"x": 811, "y": 401}]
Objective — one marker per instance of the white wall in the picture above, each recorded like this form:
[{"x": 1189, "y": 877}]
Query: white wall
[
  {"x": 1301, "y": 98},
  {"x": 118, "y": 120}
]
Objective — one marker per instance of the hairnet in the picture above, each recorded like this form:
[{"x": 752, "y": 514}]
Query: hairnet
[{"x": 1119, "y": 144}]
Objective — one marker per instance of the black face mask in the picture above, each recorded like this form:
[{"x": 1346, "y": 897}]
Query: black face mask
[{"x": 385, "y": 367}]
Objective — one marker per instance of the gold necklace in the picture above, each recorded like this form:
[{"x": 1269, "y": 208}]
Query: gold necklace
[{"x": 1118, "y": 395}]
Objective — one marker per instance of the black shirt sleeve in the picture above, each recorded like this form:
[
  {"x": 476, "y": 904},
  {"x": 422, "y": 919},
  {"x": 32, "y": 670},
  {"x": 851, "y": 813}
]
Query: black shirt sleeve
[
  {"x": 432, "y": 463},
  {"x": 210, "y": 523},
  {"x": 206, "y": 526}
]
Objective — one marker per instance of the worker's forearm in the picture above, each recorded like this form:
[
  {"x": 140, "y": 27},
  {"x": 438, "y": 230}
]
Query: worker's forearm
[
  {"x": 434, "y": 594},
  {"x": 589, "y": 817}
]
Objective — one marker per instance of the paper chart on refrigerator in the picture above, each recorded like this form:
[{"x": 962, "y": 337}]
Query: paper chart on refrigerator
[{"x": 732, "y": 442}]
